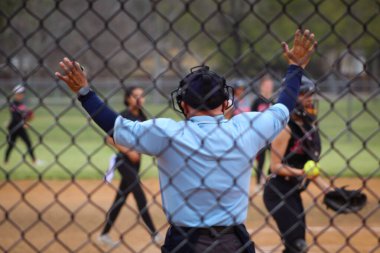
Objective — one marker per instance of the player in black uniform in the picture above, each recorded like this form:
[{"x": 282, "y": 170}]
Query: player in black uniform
[
  {"x": 20, "y": 115},
  {"x": 260, "y": 104},
  {"x": 293, "y": 147},
  {"x": 128, "y": 165}
]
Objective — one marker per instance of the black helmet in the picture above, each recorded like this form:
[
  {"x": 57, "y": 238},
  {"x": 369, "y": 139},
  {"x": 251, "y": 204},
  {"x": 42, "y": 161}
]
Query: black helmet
[
  {"x": 202, "y": 89},
  {"x": 307, "y": 86},
  {"x": 308, "y": 114}
]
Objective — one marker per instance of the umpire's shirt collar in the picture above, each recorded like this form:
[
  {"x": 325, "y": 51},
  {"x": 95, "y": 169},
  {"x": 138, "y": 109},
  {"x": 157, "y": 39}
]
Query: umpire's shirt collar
[{"x": 208, "y": 119}]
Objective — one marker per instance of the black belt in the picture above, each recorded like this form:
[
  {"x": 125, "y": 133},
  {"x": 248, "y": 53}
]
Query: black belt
[
  {"x": 183, "y": 239},
  {"x": 212, "y": 231}
]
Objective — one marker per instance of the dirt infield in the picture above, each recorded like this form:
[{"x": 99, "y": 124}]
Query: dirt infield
[{"x": 59, "y": 216}]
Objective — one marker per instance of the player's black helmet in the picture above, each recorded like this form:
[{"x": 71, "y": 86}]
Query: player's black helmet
[
  {"x": 202, "y": 89},
  {"x": 307, "y": 86},
  {"x": 309, "y": 113}
]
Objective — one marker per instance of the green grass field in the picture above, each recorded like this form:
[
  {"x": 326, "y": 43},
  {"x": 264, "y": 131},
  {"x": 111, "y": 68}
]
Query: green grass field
[{"x": 348, "y": 149}]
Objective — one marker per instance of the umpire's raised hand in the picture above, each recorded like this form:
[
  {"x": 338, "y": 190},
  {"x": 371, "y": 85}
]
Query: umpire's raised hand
[
  {"x": 303, "y": 47},
  {"x": 75, "y": 76}
]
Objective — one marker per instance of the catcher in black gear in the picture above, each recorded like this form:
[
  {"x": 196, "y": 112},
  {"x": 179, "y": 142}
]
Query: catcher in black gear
[
  {"x": 293, "y": 147},
  {"x": 291, "y": 150}
]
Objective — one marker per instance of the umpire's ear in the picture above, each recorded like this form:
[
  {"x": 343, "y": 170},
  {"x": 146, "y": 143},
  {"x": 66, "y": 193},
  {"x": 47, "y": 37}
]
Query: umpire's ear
[
  {"x": 227, "y": 103},
  {"x": 185, "y": 108}
]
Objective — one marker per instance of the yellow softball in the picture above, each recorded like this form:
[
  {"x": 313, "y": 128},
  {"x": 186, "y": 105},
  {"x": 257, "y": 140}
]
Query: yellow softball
[{"x": 311, "y": 168}]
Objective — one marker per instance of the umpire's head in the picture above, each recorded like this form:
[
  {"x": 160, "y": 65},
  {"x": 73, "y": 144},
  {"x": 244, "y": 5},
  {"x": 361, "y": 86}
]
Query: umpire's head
[{"x": 202, "y": 92}]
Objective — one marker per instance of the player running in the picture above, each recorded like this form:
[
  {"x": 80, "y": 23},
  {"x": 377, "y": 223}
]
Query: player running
[
  {"x": 20, "y": 116},
  {"x": 128, "y": 165}
]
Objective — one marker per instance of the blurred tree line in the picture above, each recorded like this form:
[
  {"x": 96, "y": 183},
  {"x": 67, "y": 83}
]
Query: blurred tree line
[{"x": 159, "y": 39}]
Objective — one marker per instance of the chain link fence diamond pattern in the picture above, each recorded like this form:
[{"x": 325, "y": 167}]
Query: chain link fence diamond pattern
[{"x": 57, "y": 203}]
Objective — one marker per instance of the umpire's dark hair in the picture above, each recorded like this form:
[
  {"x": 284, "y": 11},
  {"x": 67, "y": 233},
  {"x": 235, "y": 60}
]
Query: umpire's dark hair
[{"x": 128, "y": 92}]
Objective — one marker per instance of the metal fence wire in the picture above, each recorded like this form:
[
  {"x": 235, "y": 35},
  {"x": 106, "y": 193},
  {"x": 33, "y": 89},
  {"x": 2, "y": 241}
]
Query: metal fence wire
[{"x": 52, "y": 195}]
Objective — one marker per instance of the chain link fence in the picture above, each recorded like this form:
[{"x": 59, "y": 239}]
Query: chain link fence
[{"x": 58, "y": 200}]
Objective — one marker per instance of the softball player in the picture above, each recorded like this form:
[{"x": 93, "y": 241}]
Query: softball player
[
  {"x": 204, "y": 161},
  {"x": 128, "y": 165},
  {"x": 20, "y": 115},
  {"x": 298, "y": 143},
  {"x": 260, "y": 104},
  {"x": 242, "y": 100}
]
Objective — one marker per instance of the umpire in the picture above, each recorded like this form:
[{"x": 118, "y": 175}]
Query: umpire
[{"x": 205, "y": 161}]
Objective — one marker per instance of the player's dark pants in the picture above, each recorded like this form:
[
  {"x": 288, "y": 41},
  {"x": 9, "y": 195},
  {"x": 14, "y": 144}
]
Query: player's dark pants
[
  {"x": 14, "y": 133},
  {"x": 260, "y": 164},
  {"x": 283, "y": 200},
  {"x": 211, "y": 240},
  {"x": 129, "y": 183}
]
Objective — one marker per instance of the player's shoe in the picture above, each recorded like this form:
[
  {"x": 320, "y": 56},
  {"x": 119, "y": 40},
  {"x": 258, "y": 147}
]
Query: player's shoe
[
  {"x": 107, "y": 241},
  {"x": 38, "y": 162},
  {"x": 157, "y": 239},
  {"x": 258, "y": 190}
]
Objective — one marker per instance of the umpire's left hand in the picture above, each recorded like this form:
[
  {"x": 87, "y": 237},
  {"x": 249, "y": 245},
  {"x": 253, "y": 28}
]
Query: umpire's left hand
[{"x": 75, "y": 76}]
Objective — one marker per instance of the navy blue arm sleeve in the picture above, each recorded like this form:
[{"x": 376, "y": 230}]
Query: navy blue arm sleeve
[
  {"x": 289, "y": 94},
  {"x": 103, "y": 116}
]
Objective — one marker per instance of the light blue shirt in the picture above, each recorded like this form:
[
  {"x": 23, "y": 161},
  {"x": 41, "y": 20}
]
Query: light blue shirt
[{"x": 205, "y": 162}]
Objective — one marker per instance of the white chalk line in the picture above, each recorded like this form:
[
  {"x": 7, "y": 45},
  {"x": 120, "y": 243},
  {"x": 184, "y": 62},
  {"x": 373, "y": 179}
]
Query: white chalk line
[
  {"x": 316, "y": 229},
  {"x": 321, "y": 228}
]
